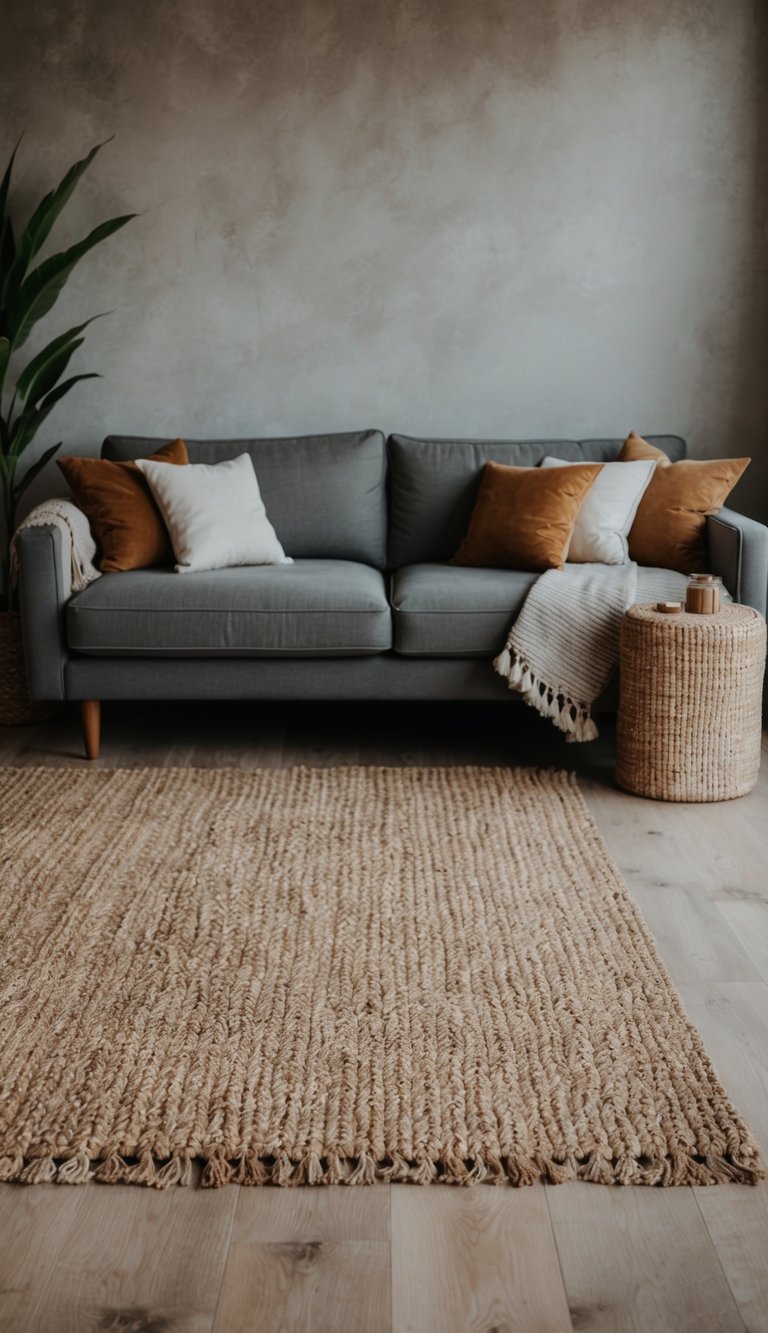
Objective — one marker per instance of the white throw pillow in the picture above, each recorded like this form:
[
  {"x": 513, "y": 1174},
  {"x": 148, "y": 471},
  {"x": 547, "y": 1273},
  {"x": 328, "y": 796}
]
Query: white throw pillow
[
  {"x": 608, "y": 511},
  {"x": 214, "y": 514}
]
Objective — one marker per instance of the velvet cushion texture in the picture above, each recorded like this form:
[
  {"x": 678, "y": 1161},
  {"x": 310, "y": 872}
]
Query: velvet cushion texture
[
  {"x": 669, "y": 531},
  {"x": 126, "y": 523},
  {"x": 524, "y": 516}
]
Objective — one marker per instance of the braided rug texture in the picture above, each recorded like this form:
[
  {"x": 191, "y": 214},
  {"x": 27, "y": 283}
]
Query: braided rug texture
[{"x": 325, "y": 976}]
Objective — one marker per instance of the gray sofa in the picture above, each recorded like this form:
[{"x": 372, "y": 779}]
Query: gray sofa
[{"x": 370, "y": 609}]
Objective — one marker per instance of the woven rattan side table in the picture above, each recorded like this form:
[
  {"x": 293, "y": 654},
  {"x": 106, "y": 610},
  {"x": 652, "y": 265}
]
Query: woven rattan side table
[{"x": 690, "y": 703}]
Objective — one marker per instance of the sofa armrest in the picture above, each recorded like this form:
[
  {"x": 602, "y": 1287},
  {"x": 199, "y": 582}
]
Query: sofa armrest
[
  {"x": 45, "y": 582},
  {"x": 738, "y": 552}
]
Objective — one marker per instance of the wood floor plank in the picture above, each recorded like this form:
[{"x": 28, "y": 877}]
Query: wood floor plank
[
  {"x": 732, "y": 1018},
  {"x": 719, "y": 847},
  {"x": 747, "y": 919},
  {"x": 138, "y": 1258},
  {"x": 674, "y": 841},
  {"x": 737, "y": 1222},
  {"x": 636, "y": 1259},
  {"x": 695, "y": 940},
  {"x": 472, "y": 1260},
  {"x": 653, "y": 846},
  {"x": 740, "y": 856},
  {"x": 34, "y": 1225},
  {"x": 308, "y": 1259}
]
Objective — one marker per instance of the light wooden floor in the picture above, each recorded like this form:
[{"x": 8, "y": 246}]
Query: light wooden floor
[{"x": 449, "y": 1260}]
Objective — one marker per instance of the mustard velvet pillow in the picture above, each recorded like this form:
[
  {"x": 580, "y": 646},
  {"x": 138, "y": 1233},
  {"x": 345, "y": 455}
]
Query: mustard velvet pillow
[
  {"x": 524, "y": 516},
  {"x": 636, "y": 448},
  {"x": 669, "y": 531},
  {"x": 126, "y": 523}
]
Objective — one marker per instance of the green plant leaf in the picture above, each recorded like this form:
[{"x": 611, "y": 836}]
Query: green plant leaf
[
  {"x": 6, "y": 181},
  {"x": 39, "y": 226},
  {"x": 32, "y": 471},
  {"x": 51, "y": 373},
  {"x": 7, "y": 245},
  {"x": 7, "y": 242},
  {"x": 28, "y": 422},
  {"x": 42, "y": 287},
  {"x": 45, "y": 369},
  {"x": 5, "y": 356}
]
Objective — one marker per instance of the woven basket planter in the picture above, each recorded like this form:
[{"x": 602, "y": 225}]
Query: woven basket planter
[
  {"x": 15, "y": 703},
  {"x": 689, "y": 723}
]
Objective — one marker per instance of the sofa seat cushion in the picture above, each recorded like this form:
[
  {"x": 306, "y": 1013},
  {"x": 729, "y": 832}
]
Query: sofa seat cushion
[
  {"x": 447, "y": 611},
  {"x": 313, "y": 608}
]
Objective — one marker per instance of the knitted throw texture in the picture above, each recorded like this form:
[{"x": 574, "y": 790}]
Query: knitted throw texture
[
  {"x": 563, "y": 647},
  {"x": 79, "y": 546},
  {"x": 345, "y": 975}
]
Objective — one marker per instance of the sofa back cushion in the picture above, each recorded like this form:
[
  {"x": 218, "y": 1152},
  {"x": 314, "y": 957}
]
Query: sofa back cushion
[
  {"x": 433, "y": 484},
  {"x": 325, "y": 494}
]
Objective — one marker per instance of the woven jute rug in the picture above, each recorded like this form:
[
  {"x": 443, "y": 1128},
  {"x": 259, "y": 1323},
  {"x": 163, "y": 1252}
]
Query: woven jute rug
[{"x": 338, "y": 975}]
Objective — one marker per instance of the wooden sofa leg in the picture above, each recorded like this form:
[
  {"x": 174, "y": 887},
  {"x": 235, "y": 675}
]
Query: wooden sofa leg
[{"x": 90, "y": 710}]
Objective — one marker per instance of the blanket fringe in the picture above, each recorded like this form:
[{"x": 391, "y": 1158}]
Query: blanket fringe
[
  {"x": 568, "y": 715},
  {"x": 683, "y": 1168}
]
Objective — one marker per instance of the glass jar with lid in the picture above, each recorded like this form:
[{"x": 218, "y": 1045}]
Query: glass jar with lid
[{"x": 704, "y": 594}]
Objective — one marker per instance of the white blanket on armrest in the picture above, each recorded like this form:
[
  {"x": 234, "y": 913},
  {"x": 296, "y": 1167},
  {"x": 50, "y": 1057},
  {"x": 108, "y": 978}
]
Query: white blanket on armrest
[
  {"x": 63, "y": 514},
  {"x": 564, "y": 645}
]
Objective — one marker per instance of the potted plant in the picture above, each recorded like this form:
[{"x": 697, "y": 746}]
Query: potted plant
[{"x": 30, "y": 387}]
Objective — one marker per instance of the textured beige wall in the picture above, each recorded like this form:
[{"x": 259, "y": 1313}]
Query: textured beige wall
[{"x": 498, "y": 217}]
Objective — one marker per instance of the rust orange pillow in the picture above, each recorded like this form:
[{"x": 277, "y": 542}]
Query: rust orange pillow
[
  {"x": 635, "y": 448},
  {"x": 524, "y": 516},
  {"x": 669, "y": 531},
  {"x": 125, "y": 521}
]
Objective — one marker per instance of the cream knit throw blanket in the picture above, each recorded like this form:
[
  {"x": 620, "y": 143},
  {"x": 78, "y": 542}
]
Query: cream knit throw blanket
[
  {"x": 564, "y": 645},
  {"x": 75, "y": 529}
]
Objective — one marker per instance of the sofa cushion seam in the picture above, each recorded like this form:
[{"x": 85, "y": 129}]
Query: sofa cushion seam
[{"x": 279, "y": 611}]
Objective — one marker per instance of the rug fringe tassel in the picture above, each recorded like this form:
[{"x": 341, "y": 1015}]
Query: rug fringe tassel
[
  {"x": 38, "y": 1171},
  {"x": 334, "y": 1174},
  {"x": 395, "y": 1170},
  {"x": 424, "y": 1172},
  {"x": 315, "y": 1173},
  {"x": 143, "y": 1172},
  {"x": 75, "y": 1171},
  {"x": 743, "y": 1167},
  {"x": 364, "y": 1173},
  {"x": 217, "y": 1171},
  {"x": 176, "y": 1171},
  {"x": 477, "y": 1172},
  {"x": 112, "y": 1170},
  {"x": 251, "y": 1170},
  {"x": 453, "y": 1170},
  {"x": 598, "y": 1170},
  {"x": 285, "y": 1172},
  {"x": 520, "y": 1171},
  {"x": 570, "y": 717}
]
